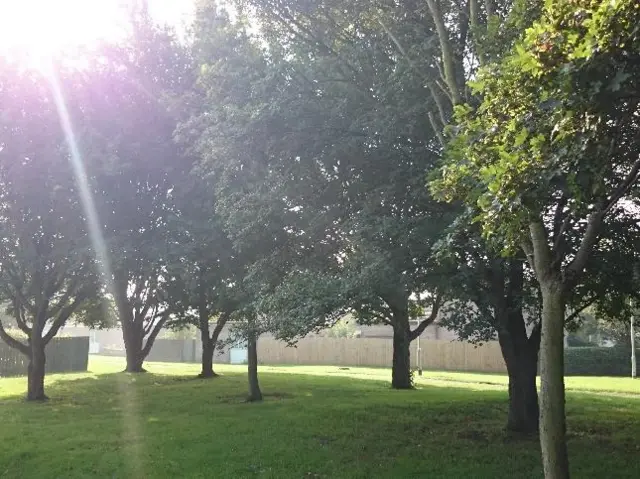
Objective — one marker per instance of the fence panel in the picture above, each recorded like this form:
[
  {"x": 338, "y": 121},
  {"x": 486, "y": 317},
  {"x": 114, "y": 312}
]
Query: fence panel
[
  {"x": 68, "y": 355},
  {"x": 373, "y": 352},
  {"x": 63, "y": 355},
  {"x": 377, "y": 352}
]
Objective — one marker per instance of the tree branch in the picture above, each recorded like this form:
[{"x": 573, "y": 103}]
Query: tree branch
[
  {"x": 222, "y": 320},
  {"x": 19, "y": 315},
  {"x": 148, "y": 304},
  {"x": 447, "y": 51},
  {"x": 435, "y": 309},
  {"x": 436, "y": 130},
  {"x": 62, "y": 317},
  {"x": 71, "y": 290},
  {"x": 12, "y": 342},
  {"x": 589, "y": 239},
  {"x": 154, "y": 315},
  {"x": 474, "y": 17},
  {"x": 439, "y": 104},
  {"x": 17, "y": 292},
  {"x": 536, "y": 335},
  {"x": 540, "y": 251},
  {"x": 557, "y": 217},
  {"x": 489, "y": 8},
  {"x": 582, "y": 307},
  {"x": 623, "y": 188},
  {"x": 463, "y": 25},
  {"x": 154, "y": 334}
]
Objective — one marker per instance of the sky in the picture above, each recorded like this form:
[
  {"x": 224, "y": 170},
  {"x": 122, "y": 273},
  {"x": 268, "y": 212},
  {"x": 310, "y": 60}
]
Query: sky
[{"x": 42, "y": 27}]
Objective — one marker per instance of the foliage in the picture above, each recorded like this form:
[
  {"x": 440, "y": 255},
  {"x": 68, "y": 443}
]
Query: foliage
[
  {"x": 133, "y": 165},
  {"x": 329, "y": 152},
  {"x": 47, "y": 265},
  {"x": 205, "y": 272},
  {"x": 596, "y": 361},
  {"x": 550, "y": 160},
  {"x": 555, "y": 123}
]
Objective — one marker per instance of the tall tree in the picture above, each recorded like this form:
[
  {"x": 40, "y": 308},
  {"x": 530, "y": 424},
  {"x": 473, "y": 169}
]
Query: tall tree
[
  {"x": 492, "y": 292},
  {"x": 134, "y": 164},
  {"x": 435, "y": 49},
  {"x": 551, "y": 159},
  {"x": 327, "y": 152},
  {"x": 205, "y": 272},
  {"x": 47, "y": 264}
]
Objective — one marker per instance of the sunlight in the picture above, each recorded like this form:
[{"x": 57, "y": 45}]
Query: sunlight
[
  {"x": 41, "y": 28},
  {"x": 82, "y": 182},
  {"x": 128, "y": 393}
]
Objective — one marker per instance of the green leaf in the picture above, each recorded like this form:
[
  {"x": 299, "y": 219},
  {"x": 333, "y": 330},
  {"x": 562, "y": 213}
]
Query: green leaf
[{"x": 521, "y": 137}]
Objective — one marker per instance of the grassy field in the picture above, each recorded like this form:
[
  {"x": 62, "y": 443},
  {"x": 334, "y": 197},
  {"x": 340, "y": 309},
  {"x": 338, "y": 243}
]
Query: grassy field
[{"x": 316, "y": 422}]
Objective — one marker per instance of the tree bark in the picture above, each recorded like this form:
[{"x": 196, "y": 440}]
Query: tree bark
[
  {"x": 36, "y": 371},
  {"x": 209, "y": 342},
  {"x": 520, "y": 355},
  {"x": 133, "y": 336},
  {"x": 634, "y": 365},
  {"x": 208, "y": 346},
  {"x": 522, "y": 368},
  {"x": 401, "y": 369},
  {"x": 553, "y": 442},
  {"x": 252, "y": 356},
  {"x": 523, "y": 399},
  {"x": 448, "y": 56}
]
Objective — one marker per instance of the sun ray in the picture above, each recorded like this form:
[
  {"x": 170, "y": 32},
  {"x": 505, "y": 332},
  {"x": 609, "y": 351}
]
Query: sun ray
[{"x": 132, "y": 435}]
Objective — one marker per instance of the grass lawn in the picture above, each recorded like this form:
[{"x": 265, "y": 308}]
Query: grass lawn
[{"x": 315, "y": 422}]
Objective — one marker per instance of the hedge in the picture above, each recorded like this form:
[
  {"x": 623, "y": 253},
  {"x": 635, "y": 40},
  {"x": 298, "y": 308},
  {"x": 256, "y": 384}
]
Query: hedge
[{"x": 598, "y": 361}]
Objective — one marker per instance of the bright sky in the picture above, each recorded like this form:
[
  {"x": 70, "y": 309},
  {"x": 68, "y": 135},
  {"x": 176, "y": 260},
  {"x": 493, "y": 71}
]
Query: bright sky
[{"x": 43, "y": 27}]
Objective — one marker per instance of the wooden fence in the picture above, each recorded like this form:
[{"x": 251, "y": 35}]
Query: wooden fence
[
  {"x": 374, "y": 352},
  {"x": 63, "y": 355},
  {"x": 434, "y": 354}
]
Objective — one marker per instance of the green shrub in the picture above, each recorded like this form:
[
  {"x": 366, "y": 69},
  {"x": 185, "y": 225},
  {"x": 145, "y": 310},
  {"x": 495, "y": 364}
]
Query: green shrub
[{"x": 597, "y": 361}]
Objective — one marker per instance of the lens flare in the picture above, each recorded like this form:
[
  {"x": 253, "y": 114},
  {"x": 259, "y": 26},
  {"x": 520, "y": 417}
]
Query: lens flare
[{"x": 128, "y": 392}]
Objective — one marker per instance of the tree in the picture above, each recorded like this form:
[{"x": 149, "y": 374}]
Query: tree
[
  {"x": 499, "y": 297},
  {"x": 134, "y": 165},
  {"x": 47, "y": 263},
  {"x": 439, "y": 47},
  {"x": 495, "y": 298},
  {"x": 326, "y": 152},
  {"x": 205, "y": 272},
  {"x": 552, "y": 151},
  {"x": 255, "y": 394},
  {"x": 492, "y": 293}
]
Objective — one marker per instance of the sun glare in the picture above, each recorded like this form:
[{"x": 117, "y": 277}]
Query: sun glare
[{"x": 41, "y": 28}]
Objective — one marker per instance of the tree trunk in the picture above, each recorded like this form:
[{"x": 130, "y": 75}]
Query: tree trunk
[
  {"x": 553, "y": 440},
  {"x": 633, "y": 346},
  {"x": 254, "y": 386},
  {"x": 520, "y": 355},
  {"x": 132, "y": 334},
  {"x": 401, "y": 369},
  {"x": 36, "y": 370},
  {"x": 208, "y": 343},
  {"x": 208, "y": 346},
  {"x": 520, "y": 352},
  {"x": 523, "y": 394}
]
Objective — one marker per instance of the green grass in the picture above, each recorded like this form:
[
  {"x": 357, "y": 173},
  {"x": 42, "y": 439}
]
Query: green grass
[{"x": 315, "y": 422}]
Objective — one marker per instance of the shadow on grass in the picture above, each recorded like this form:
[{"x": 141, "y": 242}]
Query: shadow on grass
[{"x": 328, "y": 424}]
